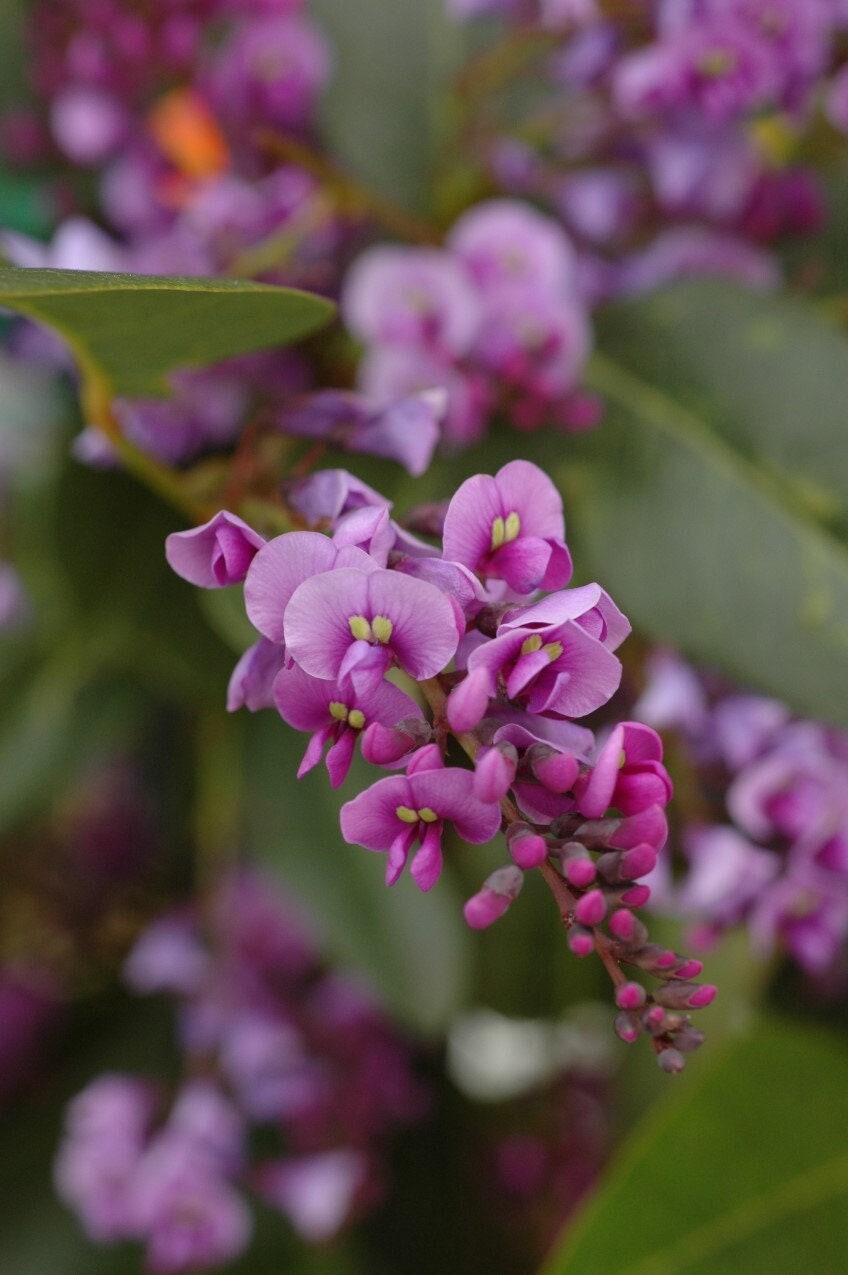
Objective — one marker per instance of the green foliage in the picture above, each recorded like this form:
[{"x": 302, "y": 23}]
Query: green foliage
[
  {"x": 711, "y": 499},
  {"x": 745, "y": 1170},
  {"x": 128, "y": 331},
  {"x": 402, "y": 52}
]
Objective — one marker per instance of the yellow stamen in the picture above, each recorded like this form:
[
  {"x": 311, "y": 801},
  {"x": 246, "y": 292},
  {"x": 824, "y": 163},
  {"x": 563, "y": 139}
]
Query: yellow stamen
[
  {"x": 360, "y": 628},
  {"x": 427, "y": 815},
  {"x": 338, "y": 710},
  {"x": 622, "y": 760},
  {"x": 512, "y": 527},
  {"x": 717, "y": 63},
  {"x": 406, "y": 815},
  {"x": 498, "y": 533},
  {"x": 533, "y": 643},
  {"x": 381, "y": 627},
  {"x": 553, "y": 650},
  {"x": 356, "y": 718}
]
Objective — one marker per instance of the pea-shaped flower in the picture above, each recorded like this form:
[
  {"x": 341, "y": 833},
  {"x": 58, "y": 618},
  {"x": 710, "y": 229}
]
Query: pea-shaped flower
[
  {"x": 347, "y": 618},
  {"x": 394, "y": 813}
]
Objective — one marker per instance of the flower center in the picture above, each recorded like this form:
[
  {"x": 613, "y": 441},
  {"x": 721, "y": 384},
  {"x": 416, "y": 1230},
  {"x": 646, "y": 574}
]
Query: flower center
[
  {"x": 716, "y": 63},
  {"x": 353, "y": 716},
  {"x": 407, "y": 815},
  {"x": 505, "y": 530},
  {"x": 530, "y": 645},
  {"x": 377, "y": 630}
]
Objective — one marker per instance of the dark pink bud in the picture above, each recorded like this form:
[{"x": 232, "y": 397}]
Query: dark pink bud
[
  {"x": 498, "y": 892},
  {"x": 555, "y": 771},
  {"x": 630, "y": 996},
  {"x": 528, "y": 848},
  {"x": 581, "y": 942},
  {"x": 627, "y": 1028},
  {"x": 678, "y": 995},
  {"x": 671, "y": 1060},
  {"x": 654, "y": 1020},
  {"x": 579, "y": 872},
  {"x": 637, "y": 896},
  {"x": 382, "y": 745},
  {"x": 623, "y": 925},
  {"x": 494, "y": 771},
  {"x": 689, "y": 969},
  {"x": 591, "y": 909},
  {"x": 666, "y": 960},
  {"x": 648, "y": 825},
  {"x": 638, "y": 862}
]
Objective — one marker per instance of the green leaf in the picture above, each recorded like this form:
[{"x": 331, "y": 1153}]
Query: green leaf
[
  {"x": 745, "y": 1170},
  {"x": 693, "y": 511},
  {"x": 127, "y": 331},
  {"x": 403, "y": 51}
]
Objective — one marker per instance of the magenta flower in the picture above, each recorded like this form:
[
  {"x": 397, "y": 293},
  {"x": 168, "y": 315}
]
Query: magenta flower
[
  {"x": 560, "y": 670},
  {"x": 336, "y": 713},
  {"x": 510, "y": 527},
  {"x": 216, "y": 554},
  {"x": 345, "y": 618},
  {"x": 505, "y": 243},
  {"x": 420, "y": 295},
  {"x": 628, "y": 774},
  {"x": 394, "y": 813},
  {"x": 282, "y": 565},
  {"x": 252, "y": 681}
]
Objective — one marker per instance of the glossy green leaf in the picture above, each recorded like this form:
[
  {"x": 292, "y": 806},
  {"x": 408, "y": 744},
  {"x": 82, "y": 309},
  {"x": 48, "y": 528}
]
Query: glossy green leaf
[
  {"x": 769, "y": 374},
  {"x": 403, "y": 50},
  {"x": 127, "y": 331},
  {"x": 746, "y": 1170},
  {"x": 677, "y": 505}
]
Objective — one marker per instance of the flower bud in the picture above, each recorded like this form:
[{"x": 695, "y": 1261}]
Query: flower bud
[
  {"x": 498, "y": 892},
  {"x": 671, "y": 1061},
  {"x": 630, "y": 996},
  {"x": 383, "y": 745},
  {"x": 627, "y": 1027},
  {"x": 580, "y": 941},
  {"x": 528, "y": 848},
  {"x": 591, "y": 909},
  {"x": 494, "y": 771}
]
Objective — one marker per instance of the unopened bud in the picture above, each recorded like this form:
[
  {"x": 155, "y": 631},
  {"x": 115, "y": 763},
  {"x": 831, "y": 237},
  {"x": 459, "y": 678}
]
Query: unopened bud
[
  {"x": 637, "y": 896},
  {"x": 654, "y": 1020},
  {"x": 671, "y": 1060},
  {"x": 554, "y": 770},
  {"x": 638, "y": 862},
  {"x": 498, "y": 892},
  {"x": 627, "y": 1027},
  {"x": 679, "y": 995},
  {"x": 688, "y": 1039},
  {"x": 527, "y": 847},
  {"x": 580, "y": 941},
  {"x": 689, "y": 969},
  {"x": 382, "y": 745},
  {"x": 625, "y": 927},
  {"x": 630, "y": 996},
  {"x": 494, "y": 771},
  {"x": 591, "y": 909}
]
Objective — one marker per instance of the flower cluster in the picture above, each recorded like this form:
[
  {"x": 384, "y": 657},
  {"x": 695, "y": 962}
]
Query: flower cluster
[
  {"x": 505, "y": 656},
  {"x": 780, "y": 864},
  {"x": 273, "y": 1040},
  {"x": 670, "y": 128},
  {"x": 495, "y": 317}
]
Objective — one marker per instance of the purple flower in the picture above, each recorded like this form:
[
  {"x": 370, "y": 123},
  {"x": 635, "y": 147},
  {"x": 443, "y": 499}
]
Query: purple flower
[
  {"x": 282, "y": 565},
  {"x": 270, "y": 70},
  {"x": 410, "y": 295},
  {"x": 511, "y": 527},
  {"x": 324, "y": 497},
  {"x": 406, "y": 430},
  {"x": 168, "y": 956},
  {"x": 216, "y": 554},
  {"x": 394, "y": 813},
  {"x": 315, "y": 1192},
  {"x": 346, "y": 617},
  {"x": 506, "y": 244},
  {"x": 628, "y": 774},
  {"x": 251, "y": 685},
  {"x": 336, "y": 713}
]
